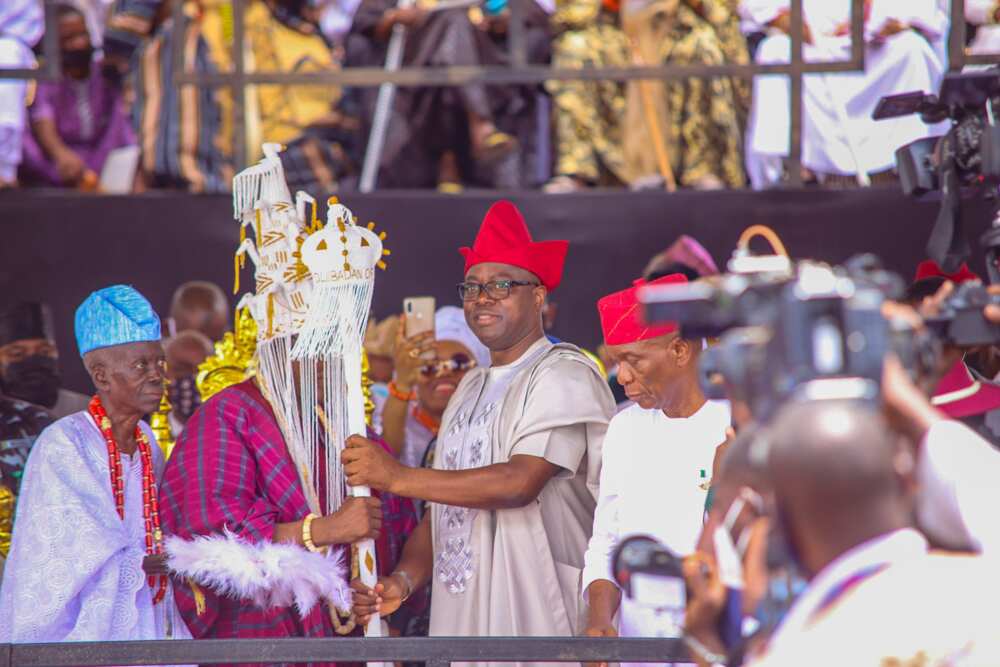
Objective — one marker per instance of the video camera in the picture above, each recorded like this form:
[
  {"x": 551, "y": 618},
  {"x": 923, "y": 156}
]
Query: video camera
[
  {"x": 960, "y": 321},
  {"x": 651, "y": 575},
  {"x": 963, "y": 163},
  {"x": 789, "y": 331},
  {"x": 971, "y": 148}
]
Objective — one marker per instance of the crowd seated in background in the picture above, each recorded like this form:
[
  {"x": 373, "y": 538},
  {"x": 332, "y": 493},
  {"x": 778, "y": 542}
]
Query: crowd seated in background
[
  {"x": 447, "y": 136},
  {"x": 187, "y": 133},
  {"x": 78, "y": 121},
  {"x": 567, "y": 135},
  {"x": 686, "y": 131},
  {"x": 904, "y": 42}
]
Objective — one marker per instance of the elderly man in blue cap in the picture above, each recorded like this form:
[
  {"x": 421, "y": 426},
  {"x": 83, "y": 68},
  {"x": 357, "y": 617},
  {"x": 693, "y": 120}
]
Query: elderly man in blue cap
[{"x": 86, "y": 561}]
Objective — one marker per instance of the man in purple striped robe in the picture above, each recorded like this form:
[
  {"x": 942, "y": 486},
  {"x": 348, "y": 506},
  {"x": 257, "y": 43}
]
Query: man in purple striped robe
[{"x": 231, "y": 471}]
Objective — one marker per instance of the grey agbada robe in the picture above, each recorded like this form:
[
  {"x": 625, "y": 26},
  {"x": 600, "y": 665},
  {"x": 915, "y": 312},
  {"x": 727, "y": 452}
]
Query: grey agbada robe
[{"x": 517, "y": 572}]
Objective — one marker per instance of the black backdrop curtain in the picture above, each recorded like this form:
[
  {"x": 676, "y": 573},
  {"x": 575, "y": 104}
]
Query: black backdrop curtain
[{"x": 59, "y": 246}]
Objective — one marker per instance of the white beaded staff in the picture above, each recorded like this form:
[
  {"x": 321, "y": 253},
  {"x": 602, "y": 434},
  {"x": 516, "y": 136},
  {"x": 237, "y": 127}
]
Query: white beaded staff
[
  {"x": 342, "y": 258},
  {"x": 311, "y": 388}
]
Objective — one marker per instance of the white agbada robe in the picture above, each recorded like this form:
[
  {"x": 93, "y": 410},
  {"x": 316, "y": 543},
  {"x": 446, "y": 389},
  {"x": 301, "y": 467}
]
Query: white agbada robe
[
  {"x": 655, "y": 476},
  {"x": 890, "y": 602},
  {"x": 958, "y": 472},
  {"x": 516, "y": 572},
  {"x": 838, "y": 133},
  {"x": 74, "y": 572}
]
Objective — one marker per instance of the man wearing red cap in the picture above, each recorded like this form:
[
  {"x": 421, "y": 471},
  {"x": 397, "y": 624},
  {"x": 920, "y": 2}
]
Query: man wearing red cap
[
  {"x": 967, "y": 392},
  {"x": 930, "y": 277},
  {"x": 657, "y": 459},
  {"x": 514, "y": 484}
]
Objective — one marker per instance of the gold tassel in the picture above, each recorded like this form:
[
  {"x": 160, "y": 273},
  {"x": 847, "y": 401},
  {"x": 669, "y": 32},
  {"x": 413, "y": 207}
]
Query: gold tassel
[
  {"x": 258, "y": 228},
  {"x": 243, "y": 237},
  {"x": 366, "y": 387},
  {"x": 199, "y": 598},
  {"x": 270, "y": 314},
  {"x": 6, "y": 519},
  {"x": 236, "y": 274}
]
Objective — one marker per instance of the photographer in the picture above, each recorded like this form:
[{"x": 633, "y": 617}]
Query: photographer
[
  {"x": 956, "y": 472},
  {"x": 840, "y": 140},
  {"x": 657, "y": 456},
  {"x": 810, "y": 350},
  {"x": 842, "y": 502},
  {"x": 957, "y": 468},
  {"x": 966, "y": 392}
]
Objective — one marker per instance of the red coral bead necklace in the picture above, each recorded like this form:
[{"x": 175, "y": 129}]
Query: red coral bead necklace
[{"x": 150, "y": 509}]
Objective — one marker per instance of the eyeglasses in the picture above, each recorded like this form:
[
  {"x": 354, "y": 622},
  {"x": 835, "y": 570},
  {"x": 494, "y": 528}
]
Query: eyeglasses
[
  {"x": 457, "y": 364},
  {"x": 495, "y": 289}
]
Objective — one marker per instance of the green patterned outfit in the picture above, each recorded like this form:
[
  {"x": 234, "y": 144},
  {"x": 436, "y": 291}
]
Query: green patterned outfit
[
  {"x": 701, "y": 120},
  {"x": 588, "y": 115}
]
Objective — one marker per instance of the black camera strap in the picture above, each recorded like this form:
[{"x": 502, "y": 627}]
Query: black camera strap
[{"x": 947, "y": 244}]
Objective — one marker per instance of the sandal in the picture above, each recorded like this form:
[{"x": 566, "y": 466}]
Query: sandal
[
  {"x": 496, "y": 146},
  {"x": 561, "y": 185}
]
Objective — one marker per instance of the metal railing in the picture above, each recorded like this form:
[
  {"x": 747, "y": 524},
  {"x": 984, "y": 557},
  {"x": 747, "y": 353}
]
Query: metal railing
[
  {"x": 434, "y": 651},
  {"x": 522, "y": 73},
  {"x": 519, "y": 72}
]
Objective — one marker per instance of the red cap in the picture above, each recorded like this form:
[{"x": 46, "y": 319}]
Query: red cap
[
  {"x": 621, "y": 314},
  {"x": 930, "y": 269},
  {"x": 958, "y": 394},
  {"x": 504, "y": 238},
  {"x": 687, "y": 251}
]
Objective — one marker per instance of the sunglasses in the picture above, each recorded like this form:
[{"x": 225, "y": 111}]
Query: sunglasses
[{"x": 457, "y": 364}]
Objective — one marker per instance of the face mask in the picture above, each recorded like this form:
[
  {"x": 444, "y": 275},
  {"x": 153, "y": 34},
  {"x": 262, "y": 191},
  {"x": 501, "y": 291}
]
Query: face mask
[
  {"x": 33, "y": 379},
  {"x": 77, "y": 58},
  {"x": 785, "y": 579},
  {"x": 184, "y": 397},
  {"x": 783, "y": 588}
]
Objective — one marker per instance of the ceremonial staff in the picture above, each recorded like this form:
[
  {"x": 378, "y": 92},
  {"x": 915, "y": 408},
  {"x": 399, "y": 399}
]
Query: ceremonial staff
[{"x": 342, "y": 259}]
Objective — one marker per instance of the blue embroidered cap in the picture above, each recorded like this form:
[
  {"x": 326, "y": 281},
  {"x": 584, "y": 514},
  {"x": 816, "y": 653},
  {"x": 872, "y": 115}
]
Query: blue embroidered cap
[{"x": 113, "y": 316}]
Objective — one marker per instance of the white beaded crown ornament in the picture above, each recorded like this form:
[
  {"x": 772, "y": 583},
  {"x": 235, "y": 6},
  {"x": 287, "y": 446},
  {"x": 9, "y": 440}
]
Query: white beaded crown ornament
[{"x": 311, "y": 302}]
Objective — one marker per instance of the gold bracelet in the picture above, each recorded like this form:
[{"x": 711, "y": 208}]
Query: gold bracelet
[
  {"x": 402, "y": 574},
  {"x": 307, "y": 537}
]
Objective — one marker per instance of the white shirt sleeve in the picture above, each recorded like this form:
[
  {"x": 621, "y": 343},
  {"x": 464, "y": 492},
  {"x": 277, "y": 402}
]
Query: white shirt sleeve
[
  {"x": 607, "y": 526},
  {"x": 959, "y": 474}
]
